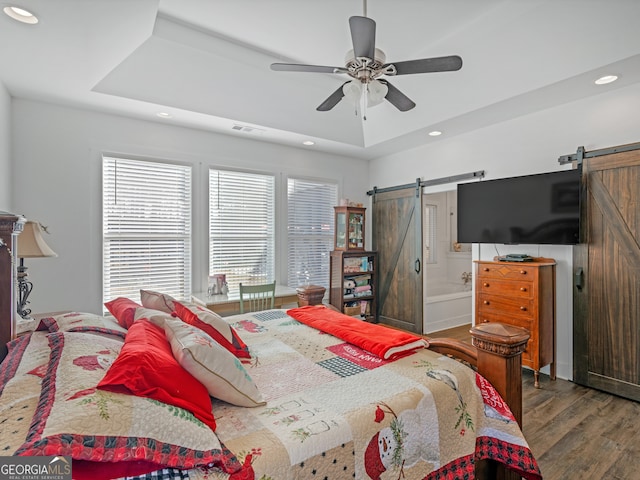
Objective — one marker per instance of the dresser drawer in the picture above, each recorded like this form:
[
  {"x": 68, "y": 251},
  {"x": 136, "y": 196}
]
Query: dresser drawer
[
  {"x": 492, "y": 317},
  {"x": 506, "y": 306},
  {"x": 506, "y": 270},
  {"x": 509, "y": 288}
]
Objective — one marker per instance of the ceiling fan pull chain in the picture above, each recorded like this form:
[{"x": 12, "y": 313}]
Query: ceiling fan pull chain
[{"x": 365, "y": 94}]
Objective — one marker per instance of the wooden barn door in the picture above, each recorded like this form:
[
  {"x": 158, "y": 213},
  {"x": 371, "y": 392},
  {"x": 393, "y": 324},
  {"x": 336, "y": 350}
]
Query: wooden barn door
[
  {"x": 607, "y": 276},
  {"x": 397, "y": 237}
]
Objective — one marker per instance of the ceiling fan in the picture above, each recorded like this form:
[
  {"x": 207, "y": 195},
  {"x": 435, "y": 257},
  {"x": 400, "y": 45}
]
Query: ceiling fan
[{"x": 365, "y": 64}]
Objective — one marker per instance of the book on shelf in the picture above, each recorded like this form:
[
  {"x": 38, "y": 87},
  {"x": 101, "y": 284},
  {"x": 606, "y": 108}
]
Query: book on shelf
[
  {"x": 358, "y": 264},
  {"x": 361, "y": 280},
  {"x": 358, "y": 294},
  {"x": 359, "y": 286}
]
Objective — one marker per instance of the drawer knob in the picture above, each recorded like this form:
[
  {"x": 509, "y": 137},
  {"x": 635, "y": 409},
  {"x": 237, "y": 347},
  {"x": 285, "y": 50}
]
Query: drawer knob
[
  {"x": 486, "y": 302},
  {"x": 523, "y": 272},
  {"x": 486, "y": 269},
  {"x": 523, "y": 289},
  {"x": 485, "y": 284},
  {"x": 485, "y": 321},
  {"x": 524, "y": 309}
]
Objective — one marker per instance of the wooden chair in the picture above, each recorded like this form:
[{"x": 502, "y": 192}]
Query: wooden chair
[{"x": 257, "y": 297}]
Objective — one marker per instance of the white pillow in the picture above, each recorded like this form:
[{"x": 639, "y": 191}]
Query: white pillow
[
  {"x": 156, "y": 317},
  {"x": 215, "y": 367},
  {"x": 157, "y": 301}
]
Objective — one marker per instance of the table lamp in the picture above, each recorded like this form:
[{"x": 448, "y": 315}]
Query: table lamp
[{"x": 30, "y": 245}]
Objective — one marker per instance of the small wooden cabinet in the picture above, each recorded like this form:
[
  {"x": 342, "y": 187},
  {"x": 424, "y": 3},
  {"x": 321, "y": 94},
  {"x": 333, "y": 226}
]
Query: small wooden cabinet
[
  {"x": 521, "y": 294},
  {"x": 349, "y": 228},
  {"x": 354, "y": 284}
]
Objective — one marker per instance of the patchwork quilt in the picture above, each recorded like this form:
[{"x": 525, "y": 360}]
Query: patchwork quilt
[
  {"x": 336, "y": 411},
  {"x": 332, "y": 411}
]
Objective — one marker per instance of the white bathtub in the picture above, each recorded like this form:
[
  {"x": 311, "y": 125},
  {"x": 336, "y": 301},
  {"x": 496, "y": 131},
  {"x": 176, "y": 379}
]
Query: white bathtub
[{"x": 447, "y": 305}]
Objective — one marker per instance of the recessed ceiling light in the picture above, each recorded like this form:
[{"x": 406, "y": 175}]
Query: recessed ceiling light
[
  {"x": 164, "y": 115},
  {"x": 21, "y": 15},
  {"x": 435, "y": 133},
  {"x": 308, "y": 142},
  {"x": 606, "y": 79}
]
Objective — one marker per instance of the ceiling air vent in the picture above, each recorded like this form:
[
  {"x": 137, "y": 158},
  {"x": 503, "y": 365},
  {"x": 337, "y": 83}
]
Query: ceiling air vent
[{"x": 248, "y": 129}]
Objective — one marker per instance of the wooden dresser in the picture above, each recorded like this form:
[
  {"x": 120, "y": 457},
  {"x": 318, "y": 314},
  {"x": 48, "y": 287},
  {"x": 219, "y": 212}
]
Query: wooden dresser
[{"x": 521, "y": 294}]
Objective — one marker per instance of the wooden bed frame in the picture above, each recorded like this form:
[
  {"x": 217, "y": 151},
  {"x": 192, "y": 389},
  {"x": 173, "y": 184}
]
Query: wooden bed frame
[
  {"x": 10, "y": 228},
  {"x": 495, "y": 353}
]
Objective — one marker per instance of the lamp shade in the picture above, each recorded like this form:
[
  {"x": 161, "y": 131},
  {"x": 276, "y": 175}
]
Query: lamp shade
[
  {"x": 31, "y": 244},
  {"x": 353, "y": 91},
  {"x": 377, "y": 93}
]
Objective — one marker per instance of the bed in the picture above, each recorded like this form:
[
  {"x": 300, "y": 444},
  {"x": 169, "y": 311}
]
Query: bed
[{"x": 171, "y": 390}]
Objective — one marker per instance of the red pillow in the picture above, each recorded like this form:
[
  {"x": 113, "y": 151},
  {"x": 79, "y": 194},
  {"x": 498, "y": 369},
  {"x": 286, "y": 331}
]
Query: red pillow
[
  {"x": 123, "y": 309},
  {"x": 146, "y": 367},
  {"x": 212, "y": 324}
]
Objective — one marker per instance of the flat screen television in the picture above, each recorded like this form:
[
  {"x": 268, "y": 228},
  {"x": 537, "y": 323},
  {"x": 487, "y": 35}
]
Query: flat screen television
[{"x": 531, "y": 209}]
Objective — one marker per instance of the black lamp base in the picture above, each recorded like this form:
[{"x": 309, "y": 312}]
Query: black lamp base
[{"x": 24, "y": 290}]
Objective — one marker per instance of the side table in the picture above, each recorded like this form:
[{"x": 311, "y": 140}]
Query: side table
[{"x": 310, "y": 295}]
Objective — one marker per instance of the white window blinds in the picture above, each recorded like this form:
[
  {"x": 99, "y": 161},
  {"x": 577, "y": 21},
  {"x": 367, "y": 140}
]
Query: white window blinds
[
  {"x": 430, "y": 233},
  {"x": 310, "y": 229},
  {"x": 146, "y": 228},
  {"x": 242, "y": 227}
]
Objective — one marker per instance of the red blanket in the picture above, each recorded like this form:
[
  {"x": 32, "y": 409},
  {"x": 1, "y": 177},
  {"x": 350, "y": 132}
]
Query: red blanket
[{"x": 379, "y": 340}]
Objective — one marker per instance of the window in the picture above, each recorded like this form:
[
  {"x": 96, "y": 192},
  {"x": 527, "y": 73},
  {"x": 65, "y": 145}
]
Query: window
[
  {"x": 242, "y": 227},
  {"x": 310, "y": 230},
  {"x": 431, "y": 234},
  {"x": 146, "y": 228}
]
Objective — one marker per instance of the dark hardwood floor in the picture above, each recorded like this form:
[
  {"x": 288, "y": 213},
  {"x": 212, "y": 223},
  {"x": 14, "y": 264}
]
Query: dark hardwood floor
[{"x": 576, "y": 432}]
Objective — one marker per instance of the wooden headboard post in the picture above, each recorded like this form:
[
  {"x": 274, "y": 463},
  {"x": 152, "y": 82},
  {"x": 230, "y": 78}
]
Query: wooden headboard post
[
  {"x": 499, "y": 359},
  {"x": 10, "y": 227},
  {"x": 500, "y": 348}
]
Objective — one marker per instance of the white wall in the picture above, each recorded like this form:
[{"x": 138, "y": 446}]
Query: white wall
[
  {"x": 57, "y": 157},
  {"x": 529, "y": 144},
  {"x": 5, "y": 150}
]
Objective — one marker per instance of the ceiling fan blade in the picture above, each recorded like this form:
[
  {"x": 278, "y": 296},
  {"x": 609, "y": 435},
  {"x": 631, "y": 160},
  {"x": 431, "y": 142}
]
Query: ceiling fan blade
[
  {"x": 428, "y": 65},
  {"x": 397, "y": 98},
  {"x": 295, "y": 67},
  {"x": 363, "y": 36},
  {"x": 333, "y": 99}
]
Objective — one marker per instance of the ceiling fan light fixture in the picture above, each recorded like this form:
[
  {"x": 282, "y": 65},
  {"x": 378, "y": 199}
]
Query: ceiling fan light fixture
[
  {"x": 377, "y": 91},
  {"x": 353, "y": 91}
]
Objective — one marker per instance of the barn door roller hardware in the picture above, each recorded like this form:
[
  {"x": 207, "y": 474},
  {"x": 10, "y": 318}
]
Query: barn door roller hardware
[
  {"x": 429, "y": 183},
  {"x": 580, "y": 154}
]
